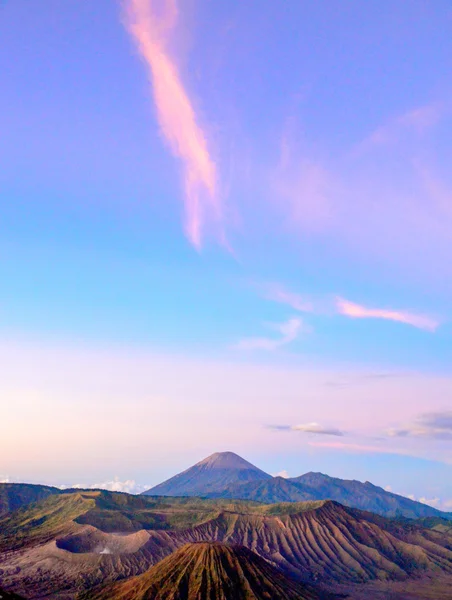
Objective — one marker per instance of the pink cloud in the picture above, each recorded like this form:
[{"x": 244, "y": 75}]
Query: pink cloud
[
  {"x": 175, "y": 113},
  {"x": 289, "y": 332},
  {"x": 418, "y": 120},
  {"x": 278, "y": 293},
  {"x": 356, "y": 311}
]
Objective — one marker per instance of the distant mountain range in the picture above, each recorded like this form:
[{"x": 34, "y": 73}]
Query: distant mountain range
[
  {"x": 227, "y": 475},
  {"x": 206, "y": 571}
]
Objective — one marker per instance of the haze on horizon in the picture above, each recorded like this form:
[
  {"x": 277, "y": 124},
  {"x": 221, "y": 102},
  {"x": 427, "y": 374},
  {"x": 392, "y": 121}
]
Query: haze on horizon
[{"x": 226, "y": 226}]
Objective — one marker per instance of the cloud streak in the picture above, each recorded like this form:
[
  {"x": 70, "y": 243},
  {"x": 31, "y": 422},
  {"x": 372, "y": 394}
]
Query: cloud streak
[
  {"x": 175, "y": 113},
  {"x": 434, "y": 426},
  {"x": 289, "y": 331},
  {"x": 310, "y": 428},
  {"x": 329, "y": 306},
  {"x": 357, "y": 311}
]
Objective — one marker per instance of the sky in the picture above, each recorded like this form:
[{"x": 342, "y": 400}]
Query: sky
[{"x": 226, "y": 226}]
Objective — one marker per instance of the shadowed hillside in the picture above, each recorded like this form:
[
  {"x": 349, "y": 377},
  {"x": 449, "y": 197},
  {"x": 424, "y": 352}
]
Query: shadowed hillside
[
  {"x": 16, "y": 495},
  {"x": 9, "y": 596},
  {"x": 210, "y": 571}
]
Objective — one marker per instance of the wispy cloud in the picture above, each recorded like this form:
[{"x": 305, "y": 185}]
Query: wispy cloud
[
  {"x": 435, "y": 425},
  {"x": 417, "y": 120},
  {"x": 357, "y": 311},
  {"x": 175, "y": 113},
  {"x": 289, "y": 331},
  {"x": 330, "y": 305},
  {"x": 278, "y": 293},
  {"x": 309, "y": 428},
  {"x": 305, "y": 187},
  {"x": 354, "y": 447}
]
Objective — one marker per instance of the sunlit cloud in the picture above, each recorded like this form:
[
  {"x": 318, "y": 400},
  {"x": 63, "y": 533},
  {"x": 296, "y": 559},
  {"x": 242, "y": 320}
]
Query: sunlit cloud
[
  {"x": 289, "y": 331},
  {"x": 356, "y": 311},
  {"x": 179, "y": 124},
  {"x": 435, "y": 426},
  {"x": 315, "y": 428},
  {"x": 115, "y": 485},
  {"x": 284, "y": 474},
  {"x": 435, "y": 502}
]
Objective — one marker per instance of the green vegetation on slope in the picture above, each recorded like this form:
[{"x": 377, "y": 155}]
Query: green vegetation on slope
[
  {"x": 42, "y": 521},
  {"x": 17, "y": 495}
]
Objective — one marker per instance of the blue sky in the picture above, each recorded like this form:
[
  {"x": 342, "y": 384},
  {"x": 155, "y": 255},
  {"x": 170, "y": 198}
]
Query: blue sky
[{"x": 262, "y": 189}]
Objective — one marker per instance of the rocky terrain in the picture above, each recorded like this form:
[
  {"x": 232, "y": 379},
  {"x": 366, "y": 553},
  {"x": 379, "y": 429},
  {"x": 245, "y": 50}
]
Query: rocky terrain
[
  {"x": 209, "y": 571},
  {"x": 69, "y": 544}
]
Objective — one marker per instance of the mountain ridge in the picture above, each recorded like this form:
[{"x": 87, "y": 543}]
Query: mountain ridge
[
  {"x": 56, "y": 544},
  {"x": 242, "y": 480}
]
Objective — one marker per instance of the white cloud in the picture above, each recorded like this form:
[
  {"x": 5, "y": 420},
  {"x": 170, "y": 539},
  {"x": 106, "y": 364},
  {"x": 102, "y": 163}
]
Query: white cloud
[
  {"x": 5, "y": 479},
  {"x": 129, "y": 486},
  {"x": 288, "y": 331},
  {"x": 435, "y": 502},
  {"x": 388, "y": 488},
  {"x": 284, "y": 474}
]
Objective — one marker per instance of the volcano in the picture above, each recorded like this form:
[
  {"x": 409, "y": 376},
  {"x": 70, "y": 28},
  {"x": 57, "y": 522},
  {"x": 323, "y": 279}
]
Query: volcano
[
  {"x": 210, "y": 571},
  {"x": 210, "y": 476}
]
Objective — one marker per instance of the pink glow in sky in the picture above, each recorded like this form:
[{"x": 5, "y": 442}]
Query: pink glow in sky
[{"x": 318, "y": 143}]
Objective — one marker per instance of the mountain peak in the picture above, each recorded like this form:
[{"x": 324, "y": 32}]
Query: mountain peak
[
  {"x": 231, "y": 572},
  {"x": 210, "y": 475},
  {"x": 226, "y": 460}
]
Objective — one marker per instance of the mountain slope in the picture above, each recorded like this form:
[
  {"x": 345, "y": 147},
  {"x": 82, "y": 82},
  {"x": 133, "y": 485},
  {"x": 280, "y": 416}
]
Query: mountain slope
[
  {"x": 275, "y": 489},
  {"x": 209, "y": 571},
  {"x": 52, "y": 545},
  {"x": 364, "y": 496},
  {"x": 210, "y": 475},
  {"x": 226, "y": 475},
  {"x": 16, "y": 495}
]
